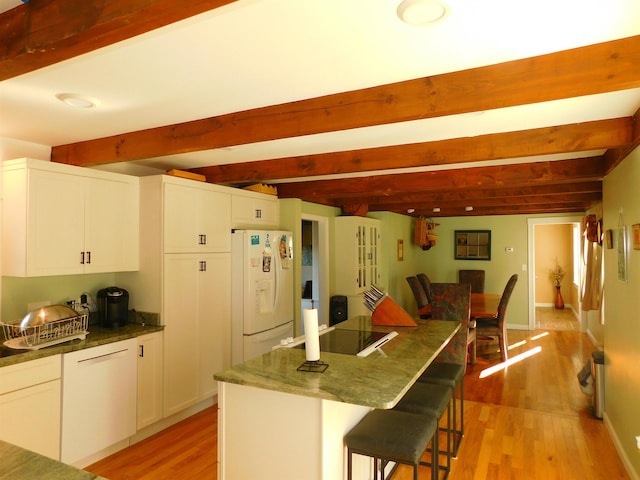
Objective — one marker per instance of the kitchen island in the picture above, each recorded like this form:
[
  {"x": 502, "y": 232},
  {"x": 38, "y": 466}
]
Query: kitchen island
[
  {"x": 19, "y": 463},
  {"x": 276, "y": 422}
]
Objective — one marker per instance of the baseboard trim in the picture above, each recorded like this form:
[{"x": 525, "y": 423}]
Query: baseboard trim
[{"x": 618, "y": 444}]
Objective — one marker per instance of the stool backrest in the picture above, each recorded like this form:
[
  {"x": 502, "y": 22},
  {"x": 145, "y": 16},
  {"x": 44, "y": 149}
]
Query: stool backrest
[{"x": 452, "y": 301}]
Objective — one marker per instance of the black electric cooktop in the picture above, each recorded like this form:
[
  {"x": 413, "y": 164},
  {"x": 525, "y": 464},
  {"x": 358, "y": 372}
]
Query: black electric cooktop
[{"x": 348, "y": 342}]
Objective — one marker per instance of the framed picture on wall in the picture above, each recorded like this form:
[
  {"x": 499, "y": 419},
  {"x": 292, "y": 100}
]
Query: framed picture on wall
[
  {"x": 635, "y": 232},
  {"x": 622, "y": 253}
]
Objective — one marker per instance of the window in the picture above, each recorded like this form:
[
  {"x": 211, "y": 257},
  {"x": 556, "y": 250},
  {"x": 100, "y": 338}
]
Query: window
[{"x": 472, "y": 245}]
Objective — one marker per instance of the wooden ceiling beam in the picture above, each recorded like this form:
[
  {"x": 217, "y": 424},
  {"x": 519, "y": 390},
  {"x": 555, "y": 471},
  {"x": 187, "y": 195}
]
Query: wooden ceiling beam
[
  {"x": 41, "y": 33},
  {"x": 614, "y": 156},
  {"x": 589, "y": 70},
  {"x": 491, "y": 202},
  {"x": 526, "y": 174},
  {"x": 467, "y": 195},
  {"x": 596, "y": 135},
  {"x": 504, "y": 210}
]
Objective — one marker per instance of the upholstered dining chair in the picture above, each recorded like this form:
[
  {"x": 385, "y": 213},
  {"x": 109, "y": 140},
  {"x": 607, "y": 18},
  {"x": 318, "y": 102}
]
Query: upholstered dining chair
[
  {"x": 421, "y": 297},
  {"x": 426, "y": 284},
  {"x": 497, "y": 327},
  {"x": 475, "y": 278},
  {"x": 452, "y": 301}
]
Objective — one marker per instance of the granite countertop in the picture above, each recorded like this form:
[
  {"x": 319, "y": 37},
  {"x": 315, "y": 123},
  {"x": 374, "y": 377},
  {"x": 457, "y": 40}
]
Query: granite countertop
[
  {"x": 97, "y": 336},
  {"x": 18, "y": 463},
  {"x": 377, "y": 381}
]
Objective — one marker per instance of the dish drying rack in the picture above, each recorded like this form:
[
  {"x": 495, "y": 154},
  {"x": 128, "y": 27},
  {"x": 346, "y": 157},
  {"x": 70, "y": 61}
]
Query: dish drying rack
[{"x": 46, "y": 334}]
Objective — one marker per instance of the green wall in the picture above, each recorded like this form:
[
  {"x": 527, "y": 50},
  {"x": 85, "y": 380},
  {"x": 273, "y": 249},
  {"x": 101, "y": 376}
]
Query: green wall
[
  {"x": 18, "y": 292},
  {"x": 621, "y": 205}
]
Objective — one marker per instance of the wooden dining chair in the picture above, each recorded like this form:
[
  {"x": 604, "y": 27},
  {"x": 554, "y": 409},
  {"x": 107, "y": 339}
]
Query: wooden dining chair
[
  {"x": 497, "y": 326},
  {"x": 421, "y": 297},
  {"x": 475, "y": 278}
]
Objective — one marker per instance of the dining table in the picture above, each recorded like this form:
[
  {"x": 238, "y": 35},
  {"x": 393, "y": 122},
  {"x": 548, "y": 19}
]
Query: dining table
[{"x": 485, "y": 305}]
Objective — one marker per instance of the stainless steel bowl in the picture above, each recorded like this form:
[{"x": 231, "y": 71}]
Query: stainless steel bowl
[{"x": 47, "y": 314}]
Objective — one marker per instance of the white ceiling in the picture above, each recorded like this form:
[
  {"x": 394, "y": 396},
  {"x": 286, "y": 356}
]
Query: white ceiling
[{"x": 255, "y": 53}]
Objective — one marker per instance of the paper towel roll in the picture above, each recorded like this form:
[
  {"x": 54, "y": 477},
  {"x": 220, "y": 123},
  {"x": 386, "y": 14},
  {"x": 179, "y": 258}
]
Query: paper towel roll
[{"x": 311, "y": 338}]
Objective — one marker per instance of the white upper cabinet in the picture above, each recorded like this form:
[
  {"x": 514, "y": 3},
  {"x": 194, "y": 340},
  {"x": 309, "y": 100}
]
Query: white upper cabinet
[
  {"x": 60, "y": 220},
  {"x": 196, "y": 218},
  {"x": 254, "y": 210}
]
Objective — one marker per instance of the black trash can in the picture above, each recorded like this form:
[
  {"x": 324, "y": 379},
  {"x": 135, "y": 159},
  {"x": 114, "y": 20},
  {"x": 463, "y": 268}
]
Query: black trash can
[{"x": 597, "y": 375}]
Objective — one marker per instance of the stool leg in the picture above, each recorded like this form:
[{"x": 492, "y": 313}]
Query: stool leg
[{"x": 349, "y": 473}]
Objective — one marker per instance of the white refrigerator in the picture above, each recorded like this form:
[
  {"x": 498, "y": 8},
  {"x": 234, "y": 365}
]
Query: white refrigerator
[{"x": 261, "y": 292}]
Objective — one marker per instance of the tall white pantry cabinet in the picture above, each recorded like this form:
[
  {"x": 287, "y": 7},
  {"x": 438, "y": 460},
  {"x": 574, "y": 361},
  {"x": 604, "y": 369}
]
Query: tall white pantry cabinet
[{"x": 185, "y": 264}]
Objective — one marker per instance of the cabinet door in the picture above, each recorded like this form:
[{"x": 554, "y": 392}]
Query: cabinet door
[
  {"x": 149, "y": 379},
  {"x": 357, "y": 254},
  {"x": 111, "y": 226},
  {"x": 181, "y": 233},
  {"x": 30, "y": 418},
  {"x": 55, "y": 225},
  {"x": 214, "y": 219},
  {"x": 180, "y": 310},
  {"x": 250, "y": 212},
  {"x": 214, "y": 320}
]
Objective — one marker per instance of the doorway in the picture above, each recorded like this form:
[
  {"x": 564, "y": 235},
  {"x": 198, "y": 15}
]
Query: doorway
[
  {"x": 554, "y": 241},
  {"x": 315, "y": 267}
]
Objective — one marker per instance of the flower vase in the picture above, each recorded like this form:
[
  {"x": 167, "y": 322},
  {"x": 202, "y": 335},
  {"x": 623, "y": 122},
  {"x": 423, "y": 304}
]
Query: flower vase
[{"x": 559, "y": 301}]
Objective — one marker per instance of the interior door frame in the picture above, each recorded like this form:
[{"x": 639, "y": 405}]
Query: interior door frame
[
  {"x": 320, "y": 229},
  {"x": 531, "y": 261}
]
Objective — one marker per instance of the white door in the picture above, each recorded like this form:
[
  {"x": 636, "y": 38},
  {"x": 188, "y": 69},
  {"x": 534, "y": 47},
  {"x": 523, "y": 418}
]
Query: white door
[
  {"x": 111, "y": 233},
  {"x": 180, "y": 334},
  {"x": 214, "y": 325},
  {"x": 56, "y": 223}
]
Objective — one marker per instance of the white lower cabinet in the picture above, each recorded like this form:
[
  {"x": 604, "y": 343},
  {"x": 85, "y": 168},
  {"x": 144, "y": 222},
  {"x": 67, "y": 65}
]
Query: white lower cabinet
[
  {"x": 30, "y": 405},
  {"x": 196, "y": 306},
  {"x": 149, "y": 379},
  {"x": 98, "y": 398}
]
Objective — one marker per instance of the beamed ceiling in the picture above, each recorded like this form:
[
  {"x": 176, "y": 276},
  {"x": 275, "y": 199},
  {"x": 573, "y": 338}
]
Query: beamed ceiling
[{"x": 531, "y": 135}]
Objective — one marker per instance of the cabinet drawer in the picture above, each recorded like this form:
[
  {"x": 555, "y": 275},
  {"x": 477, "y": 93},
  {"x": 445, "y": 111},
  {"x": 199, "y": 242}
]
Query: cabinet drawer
[{"x": 34, "y": 372}]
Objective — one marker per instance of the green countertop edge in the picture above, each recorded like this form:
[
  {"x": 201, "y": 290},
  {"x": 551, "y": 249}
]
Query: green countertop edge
[
  {"x": 97, "y": 336},
  {"x": 377, "y": 381},
  {"x": 19, "y": 463}
]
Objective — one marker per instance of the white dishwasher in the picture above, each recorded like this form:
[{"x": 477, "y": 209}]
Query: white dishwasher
[{"x": 98, "y": 398}]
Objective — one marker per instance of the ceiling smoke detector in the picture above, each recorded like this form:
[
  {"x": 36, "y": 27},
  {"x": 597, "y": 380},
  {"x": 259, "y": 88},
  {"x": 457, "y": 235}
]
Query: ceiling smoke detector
[{"x": 420, "y": 13}]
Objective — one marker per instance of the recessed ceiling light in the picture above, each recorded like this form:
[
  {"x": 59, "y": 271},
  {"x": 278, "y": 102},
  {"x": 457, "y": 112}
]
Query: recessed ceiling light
[
  {"x": 77, "y": 101},
  {"x": 468, "y": 209},
  {"x": 436, "y": 209},
  {"x": 422, "y": 12},
  {"x": 411, "y": 210}
]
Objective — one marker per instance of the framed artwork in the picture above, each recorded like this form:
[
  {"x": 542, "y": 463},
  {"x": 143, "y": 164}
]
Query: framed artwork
[
  {"x": 608, "y": 236},
  {"x": 635, "y": 232},
  {"x": 622, "y": 253}
]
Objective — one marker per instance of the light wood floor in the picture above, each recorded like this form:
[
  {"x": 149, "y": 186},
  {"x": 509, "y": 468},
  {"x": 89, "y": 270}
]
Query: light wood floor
[
  {"x": 528, "y": 421},
  {"x": 554, "y": 319}
]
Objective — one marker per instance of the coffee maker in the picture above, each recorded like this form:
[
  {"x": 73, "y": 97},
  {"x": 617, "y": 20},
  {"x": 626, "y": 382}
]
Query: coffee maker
[{"x": 113, "y": 307}]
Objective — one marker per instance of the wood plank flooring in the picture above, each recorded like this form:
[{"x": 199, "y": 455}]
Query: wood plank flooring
[{"x": 527, "y": 421}]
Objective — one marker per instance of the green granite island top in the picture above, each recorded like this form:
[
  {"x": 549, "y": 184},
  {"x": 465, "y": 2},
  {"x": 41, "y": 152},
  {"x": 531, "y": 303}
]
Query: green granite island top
[
  {"x": 377, "y": 381},
  {"x": 97, "y": 336},
  {"x": 18, "y": 463}
]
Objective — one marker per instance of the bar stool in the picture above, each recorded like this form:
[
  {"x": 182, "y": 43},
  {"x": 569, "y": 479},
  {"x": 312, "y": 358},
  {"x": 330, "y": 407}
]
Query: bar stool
[
  {"x": 450, "y": 375},
  {"x": 432, "y": 400},
  {"x": 393, "y": 436}
]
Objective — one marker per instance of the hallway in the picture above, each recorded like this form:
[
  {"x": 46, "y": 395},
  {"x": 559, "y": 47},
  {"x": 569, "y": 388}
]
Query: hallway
[{"x": 550, "y": 318}]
